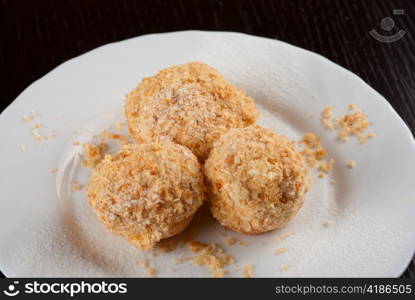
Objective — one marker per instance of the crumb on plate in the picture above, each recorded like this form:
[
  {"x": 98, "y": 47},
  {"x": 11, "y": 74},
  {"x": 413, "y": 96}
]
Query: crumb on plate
[
  {"x": 93, "y": 154},
  {"x": 280, "y": 251},
  {"x": 249, "y": 271}
]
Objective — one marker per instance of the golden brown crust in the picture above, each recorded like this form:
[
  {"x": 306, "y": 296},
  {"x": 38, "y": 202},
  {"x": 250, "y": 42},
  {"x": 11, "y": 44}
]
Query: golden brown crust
[
  {"x": 191, "y": 103},
  {"x": 147, "y": 192},
  {"x": 257, "y": 180}
]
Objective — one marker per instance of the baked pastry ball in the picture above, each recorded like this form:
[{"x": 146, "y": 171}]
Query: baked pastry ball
[
  {"x": 147, "y": 192},
  {"x": 257, "y": 178},
  {"x": 192, "y": 104}
]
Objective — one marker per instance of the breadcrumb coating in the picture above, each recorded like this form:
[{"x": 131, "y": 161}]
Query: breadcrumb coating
[
  {"x": 191, "y": 103},
  {"x": 93, "y": 154},
  {"x": 257, "y": 178},
  {"x": 147, "y": 192}
]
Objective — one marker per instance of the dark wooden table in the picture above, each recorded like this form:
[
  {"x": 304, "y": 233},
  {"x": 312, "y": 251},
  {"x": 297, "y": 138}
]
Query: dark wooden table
[{"x": 36, "y": 36}]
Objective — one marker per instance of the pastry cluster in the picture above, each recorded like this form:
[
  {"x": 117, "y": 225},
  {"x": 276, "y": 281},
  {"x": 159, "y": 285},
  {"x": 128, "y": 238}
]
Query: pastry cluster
[{"x": 196, "y": 141}]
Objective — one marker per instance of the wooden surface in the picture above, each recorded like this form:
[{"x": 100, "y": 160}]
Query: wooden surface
[{"x": 36, "y": 36}]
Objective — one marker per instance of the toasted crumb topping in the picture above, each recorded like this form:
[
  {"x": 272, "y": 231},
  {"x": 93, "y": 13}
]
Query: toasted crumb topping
[
  {"x": 326, "y": 167},
  {"x": 249, "y": 271},
  {"x": 192, "y": 104},
  {"x": 351, "y": 164}
]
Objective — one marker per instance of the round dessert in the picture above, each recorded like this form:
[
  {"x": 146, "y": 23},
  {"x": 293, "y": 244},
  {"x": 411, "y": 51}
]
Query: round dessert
[
  {"x": 258, "y": 180},
  {"x": 192, "y": 104},
  {"x": 147, "y": 192}
]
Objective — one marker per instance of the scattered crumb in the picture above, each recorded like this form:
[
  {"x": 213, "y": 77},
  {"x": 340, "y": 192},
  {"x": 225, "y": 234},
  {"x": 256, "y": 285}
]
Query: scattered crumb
[
  {"x": 173, "y": 270},
  {"x": 23, "y": 147},
  {"x": 145, "y": 262},
  {"x": 76, "y": 143},
  {"x": 37, "y": 135},
  {"x": 326, "y": 167},
  {"x": 76, "y": 186},
  {"x": 284, "y": 267},
  {"x": 352, "y": 106},
  {"x": 249, "y": 271},
  {"x": 120, "y": 138},
  {"x": 26, "y": 118},
  {"x": 327, "y": 117},
  {"x": 55, "y": 170},
  {"x": 231, "y": 241},
  {"x": 50, "y": 136},
  {"x": 354, "y": 123},
  {"x": 280, "y": 251},
  {"x": 201, "y": 221},
  {"x": 37, "y": 125},
  {"x": 351, "y": 164},
  {"x": 327, "y": 224},
  {"x": 332, "y": 181},
  {"x": 210, "y": 255},
  {"x": 119, "y": 126},
  {"x": 313, "y": 152},
  {"x": 93, "y": 154},
  {"x": 282, "y": 237},
  {"x": 371, "y": 135}
]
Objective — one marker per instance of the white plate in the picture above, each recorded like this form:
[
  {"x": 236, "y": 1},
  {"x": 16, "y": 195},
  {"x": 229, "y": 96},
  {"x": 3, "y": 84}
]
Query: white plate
[{"x": 371, "y": 207}]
